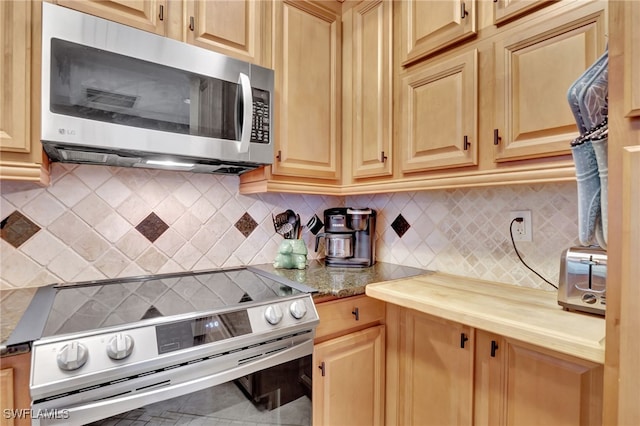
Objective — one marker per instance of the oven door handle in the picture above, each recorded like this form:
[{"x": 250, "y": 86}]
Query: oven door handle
[{"x": 93, "y": 411}]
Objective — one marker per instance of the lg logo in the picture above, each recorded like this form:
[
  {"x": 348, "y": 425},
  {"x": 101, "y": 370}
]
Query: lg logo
[{"x": 69, "y": 132}]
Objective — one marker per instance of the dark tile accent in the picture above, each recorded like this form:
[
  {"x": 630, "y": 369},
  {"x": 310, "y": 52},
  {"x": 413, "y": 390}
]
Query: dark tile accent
[
  {"x": 400, "y": 225},
  {"x": 17, "y": 228},
  {"x": 246, "y": 224},
  {"x": 152, "y": 227}
]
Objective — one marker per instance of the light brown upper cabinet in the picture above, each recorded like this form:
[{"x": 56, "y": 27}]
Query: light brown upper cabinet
[
  {"x": 505, "y": 10},
  {"x": 21, "y": 152},
  {"x": 238, "y": 28},
  {"x": 307, "y": 63},
  {"x": 439, "y": 113},
  {"x": 147, "y": 15},
  {"x": 367, "y": 86},
  {"x": 429, "y": 26},
  {"x": 535, "y": 66}
]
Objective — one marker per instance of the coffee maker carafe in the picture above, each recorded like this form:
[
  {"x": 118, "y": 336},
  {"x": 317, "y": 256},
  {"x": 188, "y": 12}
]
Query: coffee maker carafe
[{"x": 349, "y": 235}]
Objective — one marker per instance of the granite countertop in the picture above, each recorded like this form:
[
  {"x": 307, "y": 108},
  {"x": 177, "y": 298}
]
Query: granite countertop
[
  {"x": 331, "y": 282},
  {"x": 520, "y": 313},
  {"x": 13, "y": 304}
]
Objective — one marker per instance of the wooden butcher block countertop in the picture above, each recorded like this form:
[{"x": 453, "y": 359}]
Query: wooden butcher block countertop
[{"x": 525, "y": 314}]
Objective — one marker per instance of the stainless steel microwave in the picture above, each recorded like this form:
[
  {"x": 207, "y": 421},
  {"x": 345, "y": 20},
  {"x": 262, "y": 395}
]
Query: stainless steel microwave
[{"x": 119, "y": 96}]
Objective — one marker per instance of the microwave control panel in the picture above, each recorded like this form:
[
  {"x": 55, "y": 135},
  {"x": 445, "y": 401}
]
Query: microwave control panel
[{"x": 260, "y": 125}]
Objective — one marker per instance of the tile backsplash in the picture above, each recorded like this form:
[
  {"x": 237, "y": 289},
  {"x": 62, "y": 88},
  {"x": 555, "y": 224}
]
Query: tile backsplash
[
  {"x": 97, "y": 222},
  {"x": 466, "y": 231}
]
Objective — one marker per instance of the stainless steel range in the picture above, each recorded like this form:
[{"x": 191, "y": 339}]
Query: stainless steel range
[{"x": 118, "y": 345}]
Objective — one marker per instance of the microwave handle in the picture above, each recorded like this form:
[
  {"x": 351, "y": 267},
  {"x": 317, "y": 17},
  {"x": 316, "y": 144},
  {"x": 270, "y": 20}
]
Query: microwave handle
[{"x": 247, "y": 112}]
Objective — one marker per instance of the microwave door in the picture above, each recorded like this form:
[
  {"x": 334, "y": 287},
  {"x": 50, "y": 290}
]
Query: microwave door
[{"x": 223, "y": 110}]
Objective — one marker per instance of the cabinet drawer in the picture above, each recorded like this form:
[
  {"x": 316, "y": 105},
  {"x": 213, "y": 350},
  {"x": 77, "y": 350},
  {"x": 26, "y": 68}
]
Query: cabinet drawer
[{"x": 345, "y": 315}]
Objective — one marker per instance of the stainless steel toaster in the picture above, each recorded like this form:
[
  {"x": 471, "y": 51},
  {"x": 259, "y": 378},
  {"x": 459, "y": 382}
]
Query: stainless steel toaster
[{"x": 583, "y": 279}]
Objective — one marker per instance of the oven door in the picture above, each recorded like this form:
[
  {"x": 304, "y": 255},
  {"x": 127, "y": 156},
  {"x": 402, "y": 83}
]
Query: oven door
[{"x": 281, "y": 396}]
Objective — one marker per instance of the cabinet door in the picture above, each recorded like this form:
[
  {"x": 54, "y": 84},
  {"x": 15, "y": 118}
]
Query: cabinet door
[
  {"x": 237, "y": 28},
  {"x": 436, "y": 372},
  {"x": 632, "y": 59},
  {"x": 504, "y": 10},
  {"x": 22, "y": 156},
  {"x": 429, "y": 26},
  {"x": 489, "y": 380},
  {"x": 348, "y": 381},
  {"x": 535, "y": 66},
  {"x": 440, "y": 114},
  {"x": 147, "y": 15},
  {"x": 367, "y": 86},
  {"x": 14, "y": 388},
  {"x": 523, "y": 384},
  {"x": 6, "y": 394},
  {"x": 15, "y": 74},
  {"x": 308, "y": 69}
]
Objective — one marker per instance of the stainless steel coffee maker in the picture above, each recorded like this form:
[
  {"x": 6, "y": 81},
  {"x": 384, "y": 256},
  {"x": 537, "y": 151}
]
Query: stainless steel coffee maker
[{"x": 350, "y": 235}]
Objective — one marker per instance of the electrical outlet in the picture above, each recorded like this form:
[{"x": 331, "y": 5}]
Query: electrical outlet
[{"x": 521, "y": 230}]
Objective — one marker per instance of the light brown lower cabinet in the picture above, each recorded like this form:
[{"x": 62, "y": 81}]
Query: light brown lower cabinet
[
  {"x": 348, "y": 386},
  {"x": 432, "y": 383},
  {"x": 14, "y": 390},
  {"x": 349, "y": 363},
  {"x": 521, "y": 384},
  {"x": 444, "y": 373}
]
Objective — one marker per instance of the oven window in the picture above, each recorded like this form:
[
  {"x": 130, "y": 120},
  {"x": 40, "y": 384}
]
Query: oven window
[
  {"x": 104, "y": 86},
  {"x": 279, "y": 395}
]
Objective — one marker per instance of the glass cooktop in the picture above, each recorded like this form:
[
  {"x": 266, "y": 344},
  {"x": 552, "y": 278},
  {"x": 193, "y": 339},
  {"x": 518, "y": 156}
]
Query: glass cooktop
[{"x": 97, "y": 304}]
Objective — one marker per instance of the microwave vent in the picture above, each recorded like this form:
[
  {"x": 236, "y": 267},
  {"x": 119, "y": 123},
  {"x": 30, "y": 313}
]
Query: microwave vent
[
  {"x": 84, "y": 157},
  {"x": 113, "y": 99}
]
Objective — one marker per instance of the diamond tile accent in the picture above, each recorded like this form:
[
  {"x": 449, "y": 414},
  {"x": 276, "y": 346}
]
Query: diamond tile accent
[
  {"x": 152, "y": 227},
  {"x": 400, "y": 225},
  {"x": 17, "y": 228},
  {"x": 246, "y": 224}
]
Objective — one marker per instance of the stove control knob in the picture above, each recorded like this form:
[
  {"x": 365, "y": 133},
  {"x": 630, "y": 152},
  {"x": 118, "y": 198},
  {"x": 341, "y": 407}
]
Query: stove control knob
[
  {"x": 72, "y": 356},
  {"x": 120, "y": 346},
  {"x": 298, "y": 309},
  {"x": 273, "y": 314},
  {"x": 589, "y": 298}
]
